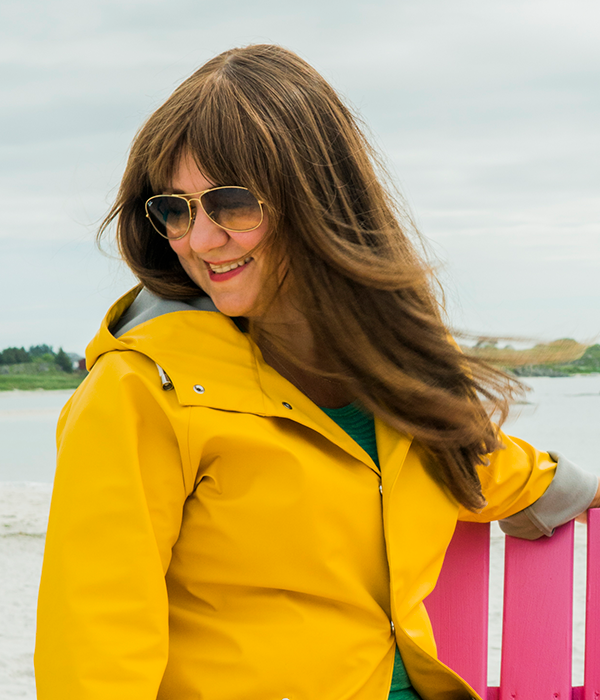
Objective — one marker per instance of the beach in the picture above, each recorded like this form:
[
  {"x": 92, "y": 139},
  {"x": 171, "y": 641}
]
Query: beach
[
  {"x": 23, "y": 518},
  {"x": 560, "y": 414}
]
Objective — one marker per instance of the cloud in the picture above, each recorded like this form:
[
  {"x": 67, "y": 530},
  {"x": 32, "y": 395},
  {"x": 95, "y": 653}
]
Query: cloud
[{"x": 487, "y": 114}]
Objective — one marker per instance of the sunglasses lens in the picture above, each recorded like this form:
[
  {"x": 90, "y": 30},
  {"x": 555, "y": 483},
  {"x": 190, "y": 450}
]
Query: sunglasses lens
[
  {"x": 169, "y": 215},
  {"x": 233, "y": 208}
]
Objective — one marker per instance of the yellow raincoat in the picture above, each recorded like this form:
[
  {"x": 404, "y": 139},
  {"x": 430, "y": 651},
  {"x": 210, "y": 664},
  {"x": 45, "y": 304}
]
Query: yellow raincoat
[{"x": 226, "y": 540}]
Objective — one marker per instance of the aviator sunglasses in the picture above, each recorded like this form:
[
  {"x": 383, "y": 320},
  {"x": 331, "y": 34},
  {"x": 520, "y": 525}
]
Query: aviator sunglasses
[{"x": 232, "y": 208}]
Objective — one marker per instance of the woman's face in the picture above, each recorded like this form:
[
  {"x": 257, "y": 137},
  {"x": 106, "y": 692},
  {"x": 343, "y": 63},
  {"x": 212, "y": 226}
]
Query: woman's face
[{"x": 207, "y": 246}]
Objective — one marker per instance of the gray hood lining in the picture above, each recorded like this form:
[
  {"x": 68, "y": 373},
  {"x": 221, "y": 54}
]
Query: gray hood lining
[{"x": 147, "y": 306}]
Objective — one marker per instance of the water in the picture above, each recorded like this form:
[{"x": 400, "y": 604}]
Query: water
[
  {"x": 27, "y": 434},
  {"x": 562, "y": 414}
]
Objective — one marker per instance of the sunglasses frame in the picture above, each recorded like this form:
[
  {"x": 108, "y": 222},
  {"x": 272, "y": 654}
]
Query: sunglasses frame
[{"x": 197, "y": 197}]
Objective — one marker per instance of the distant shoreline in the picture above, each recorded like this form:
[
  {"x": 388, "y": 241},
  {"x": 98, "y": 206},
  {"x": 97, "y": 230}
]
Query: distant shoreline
[
  {"x": 561, "y": 358},
  {"x": 549, "y": 371},
  {"x": 72, "y": 382}
]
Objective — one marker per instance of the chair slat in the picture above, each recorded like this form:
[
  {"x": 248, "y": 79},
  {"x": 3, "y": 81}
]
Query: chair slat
[
  {"x": 458, "y": 607},
  {"x": 592, "y": 612},
  {"x": 538, "y": 616}
]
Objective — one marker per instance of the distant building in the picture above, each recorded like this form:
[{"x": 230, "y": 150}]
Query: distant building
[{"x": 77, "y": 360}]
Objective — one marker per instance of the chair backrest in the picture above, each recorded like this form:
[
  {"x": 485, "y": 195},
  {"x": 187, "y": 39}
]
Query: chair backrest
[{"x": 537, "y": 616}]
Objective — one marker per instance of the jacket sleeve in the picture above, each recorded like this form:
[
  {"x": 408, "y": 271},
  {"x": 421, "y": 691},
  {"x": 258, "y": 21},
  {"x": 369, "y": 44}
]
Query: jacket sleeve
[
  {"x": 570, "y": 493},
  {"x": 115, "y": 516},
  {"x": 529, "y": 491}
]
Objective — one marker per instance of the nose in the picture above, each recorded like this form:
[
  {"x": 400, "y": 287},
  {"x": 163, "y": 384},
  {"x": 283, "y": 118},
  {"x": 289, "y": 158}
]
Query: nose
[{"x": 204, "y": 235}]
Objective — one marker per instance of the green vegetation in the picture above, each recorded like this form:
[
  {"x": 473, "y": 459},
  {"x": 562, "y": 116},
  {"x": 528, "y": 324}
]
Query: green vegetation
[
  {"x": 560, "y": 358},
  {"x": 13, "y": 356},
  {"x": 26, "y": 382},
  {"x": 63, "y": 361},
  {"x": 589, "y": 361},
  {"x": 39, "y": 368}
]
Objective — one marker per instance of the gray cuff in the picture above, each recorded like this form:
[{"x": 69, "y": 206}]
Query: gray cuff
[{"x": 571, "y": 492}]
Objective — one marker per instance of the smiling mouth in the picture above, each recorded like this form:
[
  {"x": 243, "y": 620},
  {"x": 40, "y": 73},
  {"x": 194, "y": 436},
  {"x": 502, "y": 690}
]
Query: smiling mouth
[{"x": 227, "y": 267}]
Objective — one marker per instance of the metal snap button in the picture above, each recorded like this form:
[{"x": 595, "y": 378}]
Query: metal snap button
[
  {"x": 381, "y": 489},
  {"x": 198, "y": 388},
  {"x": 286, "y": 405},
  {"x": 393, "y": 627}
]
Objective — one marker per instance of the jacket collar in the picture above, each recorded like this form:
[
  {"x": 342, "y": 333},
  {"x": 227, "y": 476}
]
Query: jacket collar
[{"x": 212, "y": 364}]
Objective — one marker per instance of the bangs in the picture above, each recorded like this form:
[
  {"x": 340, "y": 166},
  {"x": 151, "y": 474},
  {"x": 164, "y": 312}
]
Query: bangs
[{"x": 219, "y": 129}]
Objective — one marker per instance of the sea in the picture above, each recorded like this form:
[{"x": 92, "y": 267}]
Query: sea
[{"x": 558, "y": 413}]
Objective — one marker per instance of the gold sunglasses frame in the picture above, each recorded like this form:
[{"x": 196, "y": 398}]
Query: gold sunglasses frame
[{"x": 197, "y": 197}]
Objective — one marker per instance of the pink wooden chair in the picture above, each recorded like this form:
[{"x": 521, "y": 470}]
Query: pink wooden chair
[{"x": 537, "y": 618}]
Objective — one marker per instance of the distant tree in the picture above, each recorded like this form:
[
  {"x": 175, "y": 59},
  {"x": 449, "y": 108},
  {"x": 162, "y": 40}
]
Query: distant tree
[
  {"x": 14, "y": 356},
  {"x": 63, "y": 361},
  {"x": 47, "y": 358},
  {"x": 41, "y": 350}
]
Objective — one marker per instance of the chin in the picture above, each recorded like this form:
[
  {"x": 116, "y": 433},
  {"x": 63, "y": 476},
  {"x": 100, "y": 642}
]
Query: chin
[{"x": 232, "y": 309}]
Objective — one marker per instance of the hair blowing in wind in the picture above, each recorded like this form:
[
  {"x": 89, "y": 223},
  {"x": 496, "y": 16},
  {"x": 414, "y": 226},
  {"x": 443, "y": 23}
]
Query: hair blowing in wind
[{"x": 262, "y": 118}]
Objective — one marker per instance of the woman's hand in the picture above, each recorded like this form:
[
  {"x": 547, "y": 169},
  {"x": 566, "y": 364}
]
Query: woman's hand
[{"x": 582, "y": 517}]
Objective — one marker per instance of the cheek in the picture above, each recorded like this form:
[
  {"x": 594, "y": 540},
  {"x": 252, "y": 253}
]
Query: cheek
[
  {"x": 181, "y": 250},
  {"x": 178, "y": 248},
  {"x": 253, "y": 239}
]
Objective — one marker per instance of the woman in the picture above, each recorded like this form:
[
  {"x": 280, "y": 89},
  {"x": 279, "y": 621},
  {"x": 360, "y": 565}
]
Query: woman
[{"x": 259, "y": 478}]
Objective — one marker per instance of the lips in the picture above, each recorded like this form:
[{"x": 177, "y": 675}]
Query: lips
[{"x": 227, "y": 271}]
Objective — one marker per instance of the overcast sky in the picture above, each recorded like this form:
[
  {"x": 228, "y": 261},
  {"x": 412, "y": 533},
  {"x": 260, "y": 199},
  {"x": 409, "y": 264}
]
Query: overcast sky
[{"x": 488, "y": 112}]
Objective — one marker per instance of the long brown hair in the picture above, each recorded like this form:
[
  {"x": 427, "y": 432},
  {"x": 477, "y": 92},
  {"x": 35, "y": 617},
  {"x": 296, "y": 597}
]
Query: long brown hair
[{"x": 263, "y": 118}]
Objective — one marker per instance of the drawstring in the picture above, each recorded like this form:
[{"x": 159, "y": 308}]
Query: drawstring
[{"x": 167, "y": 384}]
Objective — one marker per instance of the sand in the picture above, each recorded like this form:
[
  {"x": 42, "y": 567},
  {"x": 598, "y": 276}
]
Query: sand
[{"x": 23, "y": 517}]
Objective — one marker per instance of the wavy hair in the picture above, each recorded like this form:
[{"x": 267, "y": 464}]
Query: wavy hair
[{"x": 263, "y": 118}]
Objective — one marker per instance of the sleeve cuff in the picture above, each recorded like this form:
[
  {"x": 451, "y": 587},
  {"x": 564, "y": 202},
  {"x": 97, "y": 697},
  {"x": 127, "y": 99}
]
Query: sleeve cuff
[{"x": 571, "y": 492}]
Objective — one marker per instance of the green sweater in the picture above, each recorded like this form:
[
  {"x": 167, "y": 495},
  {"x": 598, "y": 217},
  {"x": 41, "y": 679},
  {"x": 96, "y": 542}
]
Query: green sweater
[{"x": 360, "y": 426}]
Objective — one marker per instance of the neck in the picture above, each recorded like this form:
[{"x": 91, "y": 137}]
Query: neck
[
  {"x": 283, "y": 326},
  {"x": 290, "y": 349}
]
